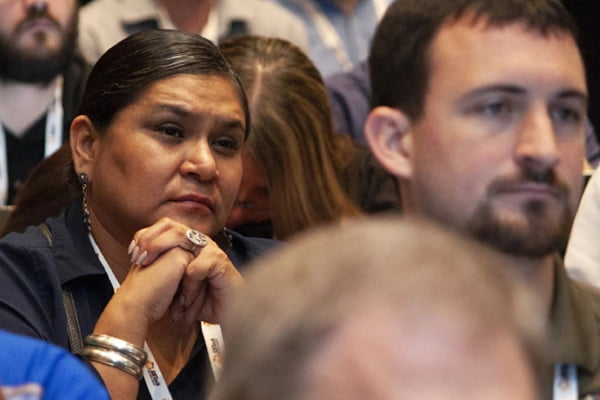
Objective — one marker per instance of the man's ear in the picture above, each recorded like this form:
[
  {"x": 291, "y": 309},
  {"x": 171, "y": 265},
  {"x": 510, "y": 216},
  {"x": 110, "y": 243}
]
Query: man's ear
[
  {"x": 83, "y": 139},
  {"x": 388, "y": 133}
]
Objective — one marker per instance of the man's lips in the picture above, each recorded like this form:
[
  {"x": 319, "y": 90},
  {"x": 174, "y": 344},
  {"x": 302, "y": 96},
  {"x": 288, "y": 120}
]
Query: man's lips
[
  {"x": 530, "y": 188},
  {"x": 38, "y": 23}
]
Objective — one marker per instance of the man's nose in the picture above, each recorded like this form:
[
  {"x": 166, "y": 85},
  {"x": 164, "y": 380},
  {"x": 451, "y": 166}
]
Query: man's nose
[
  {"x": 36, "y": 6},
  {"x": 536, "y": 144}
]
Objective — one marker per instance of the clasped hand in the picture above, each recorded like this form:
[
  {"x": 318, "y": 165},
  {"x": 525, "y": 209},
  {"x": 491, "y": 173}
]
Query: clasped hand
[{"x": 169, "y": 274}]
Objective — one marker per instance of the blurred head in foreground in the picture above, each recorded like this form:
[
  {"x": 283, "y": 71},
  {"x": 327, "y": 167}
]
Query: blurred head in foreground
[{"x": 382, "y": 309}]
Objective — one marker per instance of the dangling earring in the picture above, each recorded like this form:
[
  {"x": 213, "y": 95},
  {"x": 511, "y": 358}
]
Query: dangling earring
[{"x": 83, "y": 181}]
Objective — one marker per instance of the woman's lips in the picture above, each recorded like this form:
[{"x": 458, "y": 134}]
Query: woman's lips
[{"x": 196, "y": 200}]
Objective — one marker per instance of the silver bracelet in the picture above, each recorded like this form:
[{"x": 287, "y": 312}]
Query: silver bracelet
[
  {"x": 112, "y": 359},
  {"x": 131, "y": 351}
]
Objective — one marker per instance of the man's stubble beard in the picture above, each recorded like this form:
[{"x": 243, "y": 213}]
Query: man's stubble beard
[
  {"x": 25, "y": 66},
  {"x": 537, "y": 238},
  {"x": 537, "y": 234}
]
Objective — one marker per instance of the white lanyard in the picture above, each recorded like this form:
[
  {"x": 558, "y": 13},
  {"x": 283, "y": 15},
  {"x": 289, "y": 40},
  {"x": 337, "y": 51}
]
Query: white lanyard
[
  {"x": 565, "y": 382},
  {"x": 380, "y": 7},
  {"x": 53, "y": 137},
  {"x": 157, "y": 386},
  {"x": 327, "y": 31},
  {"x": 211, "y": 28},
  {"x": 54, "y": 120}
]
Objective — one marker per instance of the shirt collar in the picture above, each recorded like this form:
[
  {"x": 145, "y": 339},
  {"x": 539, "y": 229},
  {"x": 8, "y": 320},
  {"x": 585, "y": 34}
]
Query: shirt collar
[{"x": 72, "y": 250}]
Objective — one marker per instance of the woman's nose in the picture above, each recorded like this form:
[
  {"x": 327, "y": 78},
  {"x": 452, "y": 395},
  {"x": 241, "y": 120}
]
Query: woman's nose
[{"x": 200, "y": 161}]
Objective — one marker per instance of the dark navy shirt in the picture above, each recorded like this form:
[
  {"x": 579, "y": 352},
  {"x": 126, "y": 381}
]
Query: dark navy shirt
[{"x": 33, "y": 274}]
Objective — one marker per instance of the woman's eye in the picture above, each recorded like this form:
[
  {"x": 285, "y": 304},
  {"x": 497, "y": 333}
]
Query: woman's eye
[
  {"x": 229, "y": 144},
  {"x": 171, "y": 130}
]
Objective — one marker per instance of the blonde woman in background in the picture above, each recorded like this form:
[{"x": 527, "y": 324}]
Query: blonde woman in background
[{"x": 298, "y": 173}]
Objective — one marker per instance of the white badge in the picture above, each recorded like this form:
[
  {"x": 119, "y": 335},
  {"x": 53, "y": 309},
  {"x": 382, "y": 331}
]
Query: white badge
[{"x": 565, "y": 382}]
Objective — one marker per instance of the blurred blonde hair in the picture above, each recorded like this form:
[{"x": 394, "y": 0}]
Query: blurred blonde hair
[{"x": 292, "y": 135}]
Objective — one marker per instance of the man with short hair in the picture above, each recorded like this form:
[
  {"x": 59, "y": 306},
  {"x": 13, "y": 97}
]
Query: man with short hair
[
  {"x": 480, "y": 112},
  {"x": 41, "y": 81}
]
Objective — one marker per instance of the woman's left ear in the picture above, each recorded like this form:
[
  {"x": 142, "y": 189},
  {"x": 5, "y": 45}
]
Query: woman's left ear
[{"x": 83, "y": 140}]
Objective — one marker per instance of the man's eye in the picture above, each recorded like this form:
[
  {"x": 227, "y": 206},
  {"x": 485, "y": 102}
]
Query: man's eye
[
  {"x": 493, "y": 109},
  {"x": 566, "y": 114}
]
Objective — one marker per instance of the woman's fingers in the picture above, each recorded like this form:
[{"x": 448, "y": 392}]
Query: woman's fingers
[
  {"x": 151, "y": 290},
  {"x": 207, "y": 283},
  {"x": 149, "y": 243},
  {"x": 194, "y": 309},
  {"x": 208, "y": 275}
]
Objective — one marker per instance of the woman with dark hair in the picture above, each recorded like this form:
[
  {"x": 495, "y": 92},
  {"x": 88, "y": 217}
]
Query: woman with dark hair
[
  {"x": 156, "y": 151},
  {"x": 298, "y": 173}
]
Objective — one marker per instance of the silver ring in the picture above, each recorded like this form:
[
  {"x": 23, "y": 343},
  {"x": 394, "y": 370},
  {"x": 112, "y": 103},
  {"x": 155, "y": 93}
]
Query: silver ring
[{"x": 197, "y": 239}]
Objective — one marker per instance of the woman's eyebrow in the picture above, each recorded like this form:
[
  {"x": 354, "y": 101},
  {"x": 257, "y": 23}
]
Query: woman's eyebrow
[
  {"x": 175, "y": 109},
  {"x": 222, "y": 120}
]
